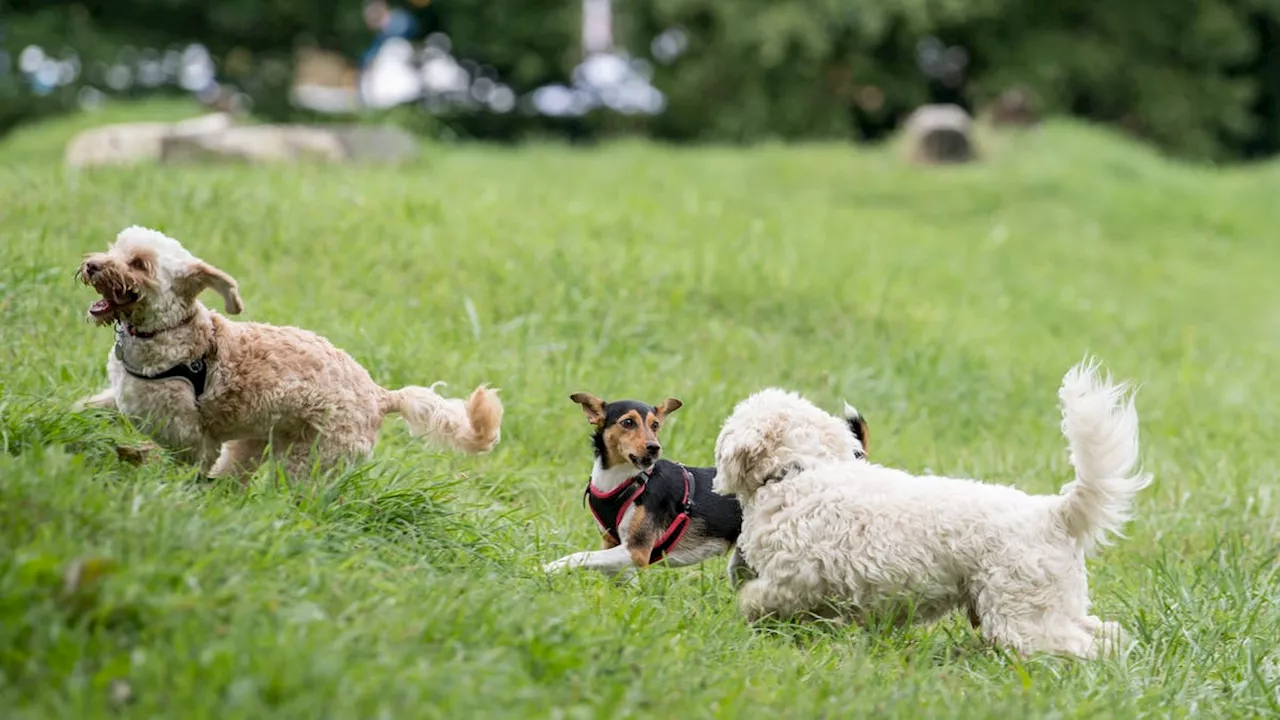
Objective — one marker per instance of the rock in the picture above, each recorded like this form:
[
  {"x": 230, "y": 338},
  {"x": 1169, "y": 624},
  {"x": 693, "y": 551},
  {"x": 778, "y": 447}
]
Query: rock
[
  {"x": 136, "y": 454},
  {"x": 1012, "y": 109},
  {"x": 213, "y": 122},
  {"x": 254, "y": 143},
  {"x": 385, "y": 143},
  {"x": 131, "y": 143},
  {"x": 215, "y": 138},
  {"x": 939, "y": 134},
  {"x": 123, "y": 144}
]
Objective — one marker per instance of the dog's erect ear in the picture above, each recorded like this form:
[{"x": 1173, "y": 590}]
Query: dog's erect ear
[
  {"x": 858, "y": 426},
  {"x": 592, "y": 407},
  {"x": 668, "y": 406},
  {"x": 202, "y": 276}
]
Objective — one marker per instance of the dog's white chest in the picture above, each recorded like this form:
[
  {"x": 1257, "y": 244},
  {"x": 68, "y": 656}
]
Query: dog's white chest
[{"x": 165, "y": 409}]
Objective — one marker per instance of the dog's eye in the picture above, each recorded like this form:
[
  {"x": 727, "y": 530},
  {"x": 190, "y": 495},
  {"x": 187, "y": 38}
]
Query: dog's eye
[
  {"x": 628, "y": 423},
  {"x": 655, "y": 427},
  {"x": 138, "y": 264}
]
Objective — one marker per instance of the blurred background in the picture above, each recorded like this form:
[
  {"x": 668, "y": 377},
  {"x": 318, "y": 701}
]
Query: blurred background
[{"x": 1198, "y": 78}]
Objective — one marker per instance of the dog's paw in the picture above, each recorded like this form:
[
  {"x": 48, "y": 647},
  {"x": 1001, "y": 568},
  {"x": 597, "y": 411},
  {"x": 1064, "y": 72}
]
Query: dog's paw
[
  {"x": 751, "y": 601},
  {"x": 1110, "y": 640},
  {"x": 555, "y": 566}
]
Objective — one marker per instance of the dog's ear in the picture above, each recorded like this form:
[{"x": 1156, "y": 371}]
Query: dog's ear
[
  {"x": 858, "y": 426},
  {"x": 746, "y": 458},
  {"x": 736, "y": 458},
  {"x": 201, "y": 276},
  {"x": 668, "y": 406},
  {"x": 592, "y": 407}
]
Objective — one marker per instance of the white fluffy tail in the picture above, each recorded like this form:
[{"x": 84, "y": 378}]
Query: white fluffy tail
[
  {"x": 1101, "y": 425},
  {"x": 472, "y": 426}
]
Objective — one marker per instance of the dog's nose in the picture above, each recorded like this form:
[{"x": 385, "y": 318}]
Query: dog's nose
[
  {"x": 653, "y": 448},
  {"x": 91, "y": 267}
]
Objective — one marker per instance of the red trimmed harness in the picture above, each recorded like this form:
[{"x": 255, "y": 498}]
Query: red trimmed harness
[{"x": 615, "y": 503}]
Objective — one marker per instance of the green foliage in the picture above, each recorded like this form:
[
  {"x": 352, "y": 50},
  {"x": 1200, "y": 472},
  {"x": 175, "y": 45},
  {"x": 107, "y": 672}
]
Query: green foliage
[
  {"x": 1165, "y": 71},
  {"x": 1191, "y": 76},
  {"x": 760, "y": 68}
]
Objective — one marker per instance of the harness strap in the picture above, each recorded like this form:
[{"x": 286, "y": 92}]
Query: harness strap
[
  {"x": 195, "y": 372},
  {"x": 680, "y": 525},
  {"x": 609, "y": 509}
]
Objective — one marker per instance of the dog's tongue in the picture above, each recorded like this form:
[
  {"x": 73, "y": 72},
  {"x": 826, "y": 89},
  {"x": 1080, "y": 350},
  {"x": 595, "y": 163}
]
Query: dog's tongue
[{"x": 102, "y": 307}]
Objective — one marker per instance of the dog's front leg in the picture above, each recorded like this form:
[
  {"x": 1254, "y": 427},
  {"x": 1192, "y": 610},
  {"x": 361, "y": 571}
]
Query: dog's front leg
[
  {"x": 611, "y": 561},
  {"x": 628, "y": 577},
  {"x": 760, "y": 598},
  {"x": 105, "y": 400},
  {"x": 739, "y": 570}
]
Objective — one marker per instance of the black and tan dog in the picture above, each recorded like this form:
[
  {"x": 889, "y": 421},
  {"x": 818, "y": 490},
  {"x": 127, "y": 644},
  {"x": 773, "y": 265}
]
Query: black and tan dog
[{"x": 650, "y": 509}]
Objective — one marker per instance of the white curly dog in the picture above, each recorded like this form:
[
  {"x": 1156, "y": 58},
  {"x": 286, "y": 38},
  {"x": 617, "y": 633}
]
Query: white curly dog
[{"x": 828, "y": 534}]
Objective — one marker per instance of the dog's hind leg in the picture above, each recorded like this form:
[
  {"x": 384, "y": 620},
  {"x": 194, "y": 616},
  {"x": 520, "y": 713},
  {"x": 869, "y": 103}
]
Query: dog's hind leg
[
  {"x": 302, "y": 456},
  {"x": 324, "y": 446},
  {"x": 1049, "y": 633},
  {"x": 1006, "y": 618}
]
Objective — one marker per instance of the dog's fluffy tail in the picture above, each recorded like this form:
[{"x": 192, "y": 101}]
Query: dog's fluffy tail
[
  {"x": 473, "y": 425},
  {"x": 1101, "y": 425}
]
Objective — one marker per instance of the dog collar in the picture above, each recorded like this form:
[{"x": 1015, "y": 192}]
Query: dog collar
[
  {"x": 794, "y": 468},
  {"x": 135, "y": 332},
  {"x": 195, "y": 372},
  {"x": 147, "y": 335}
]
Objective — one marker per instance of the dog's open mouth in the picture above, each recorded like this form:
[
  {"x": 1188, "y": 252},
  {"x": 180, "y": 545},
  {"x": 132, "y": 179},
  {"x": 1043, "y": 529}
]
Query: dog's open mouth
[
  {"x": 105, "y": 309},
  {"x": 644, "y": 463}
]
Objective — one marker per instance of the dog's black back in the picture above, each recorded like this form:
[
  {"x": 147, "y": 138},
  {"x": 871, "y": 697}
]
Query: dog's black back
[{"x": 713, "y": 515}]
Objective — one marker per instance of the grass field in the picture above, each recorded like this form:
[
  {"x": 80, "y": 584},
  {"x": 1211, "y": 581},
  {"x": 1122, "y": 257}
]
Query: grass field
[{"x": 945, "y": 304}]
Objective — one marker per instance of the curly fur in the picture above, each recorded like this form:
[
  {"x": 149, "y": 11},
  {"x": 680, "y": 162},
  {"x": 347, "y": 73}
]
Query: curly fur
[
  {"x": 268, "y": 386},
  {"x": 829, "y": 535}
]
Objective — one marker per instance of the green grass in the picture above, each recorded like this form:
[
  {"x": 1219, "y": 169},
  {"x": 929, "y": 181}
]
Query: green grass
[{"x": 946, "y": 304}]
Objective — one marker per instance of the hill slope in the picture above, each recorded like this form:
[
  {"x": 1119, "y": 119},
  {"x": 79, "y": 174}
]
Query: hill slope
[{"x": 944, "y": 304}]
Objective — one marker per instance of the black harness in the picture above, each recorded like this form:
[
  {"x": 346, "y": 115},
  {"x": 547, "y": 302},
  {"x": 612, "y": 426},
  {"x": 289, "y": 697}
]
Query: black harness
[
  {"x": 194, "y": 371},
  {"x": 609, "y": 509}
]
